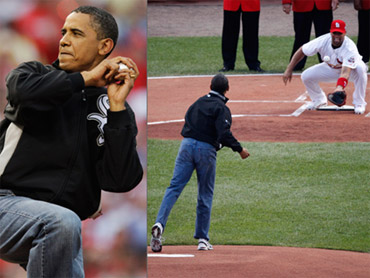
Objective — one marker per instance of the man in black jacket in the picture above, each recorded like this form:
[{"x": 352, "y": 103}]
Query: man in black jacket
[
  {"x": 64, "y": 139},
  {"x": 206, "y": 130}
]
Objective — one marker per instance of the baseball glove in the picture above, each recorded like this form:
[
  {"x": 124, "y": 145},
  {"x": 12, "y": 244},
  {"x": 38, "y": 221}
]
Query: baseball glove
[{"x": 338, "y": 98}]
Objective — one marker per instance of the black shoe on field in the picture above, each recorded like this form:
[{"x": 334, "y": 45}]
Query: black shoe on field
[
  {"x": 226, "y": 69},
  {"x": 258, "y": 69}
]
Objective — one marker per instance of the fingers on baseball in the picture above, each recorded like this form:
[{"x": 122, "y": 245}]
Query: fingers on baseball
[
  {"x": 121, "y": 77},
  {"x": 119, "y": 69},
  {"x": 112, "y": 70},
  {"x": 133, "y": 70},
  {"x": 125, "y": 73},
  {"x": 126, "y": 63}
]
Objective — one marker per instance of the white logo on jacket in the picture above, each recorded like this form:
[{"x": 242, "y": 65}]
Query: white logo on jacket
[{"x": 103, "y": 105}]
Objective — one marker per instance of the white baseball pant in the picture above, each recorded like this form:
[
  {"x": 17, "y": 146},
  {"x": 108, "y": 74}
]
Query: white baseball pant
[{"x": 322, "y": 72}]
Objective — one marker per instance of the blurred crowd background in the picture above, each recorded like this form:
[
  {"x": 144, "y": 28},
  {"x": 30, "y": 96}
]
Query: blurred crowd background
[{"x": 115, "y": 243}]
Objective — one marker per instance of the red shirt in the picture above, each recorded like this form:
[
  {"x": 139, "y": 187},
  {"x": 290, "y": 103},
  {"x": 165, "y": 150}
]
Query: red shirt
[
  {"x": 307, "y": 5},
  {"x": 365, "y": 4},
  {"x": 247, "y": 5}
]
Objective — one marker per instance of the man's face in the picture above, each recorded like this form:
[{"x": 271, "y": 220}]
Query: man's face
[
  {"x": 337, "y": 38},
  {"x": 78, "y": 48}
]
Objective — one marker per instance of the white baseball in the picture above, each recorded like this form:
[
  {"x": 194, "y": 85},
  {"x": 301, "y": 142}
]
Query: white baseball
[
  {"x": 122, "y": 66},
  {"x": 326, "y": 59}
]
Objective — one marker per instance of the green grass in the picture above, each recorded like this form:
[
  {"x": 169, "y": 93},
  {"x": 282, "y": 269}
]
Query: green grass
[
  {"x": 285, "y": 194},
  {"x": 202, "y": 55}
]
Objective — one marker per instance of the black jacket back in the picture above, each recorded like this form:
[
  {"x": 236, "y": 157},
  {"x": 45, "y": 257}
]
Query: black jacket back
[{"x": 209, "y": 120}]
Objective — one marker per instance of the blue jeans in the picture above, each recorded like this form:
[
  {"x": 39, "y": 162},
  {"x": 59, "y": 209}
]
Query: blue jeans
[
  {"x": 42, "y": 237},
  {"x": 192, "y": 155}
]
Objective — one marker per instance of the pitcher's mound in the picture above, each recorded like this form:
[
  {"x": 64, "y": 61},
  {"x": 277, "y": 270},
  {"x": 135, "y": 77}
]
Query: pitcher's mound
[{"x": 257, "y": 261}]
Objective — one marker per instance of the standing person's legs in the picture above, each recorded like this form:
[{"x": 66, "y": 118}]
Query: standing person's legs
[
  {"x": 184, "y": 168},
  {"x": 205, "y": 158},
  {"x": 42, "y": 237},
  {"x": 302, "y": 28},
  {"x": 311, "y": 78},
  {"x": 363, "y": 41},
  {"x": 230, "y": 36},
  {"x": 322, "y": 21},
  {"x": 250, "y": 39}
]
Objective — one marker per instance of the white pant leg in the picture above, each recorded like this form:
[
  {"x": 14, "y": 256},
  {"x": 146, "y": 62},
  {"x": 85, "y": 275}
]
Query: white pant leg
[
  {"x": 359, "y": 78},
  {"x": 315, "y": 74}
]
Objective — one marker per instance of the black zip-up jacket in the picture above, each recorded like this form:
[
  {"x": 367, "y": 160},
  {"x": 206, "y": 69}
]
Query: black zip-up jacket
[
  {"x": 209, "y": 120},
  {"x": 60, "y": 143}
]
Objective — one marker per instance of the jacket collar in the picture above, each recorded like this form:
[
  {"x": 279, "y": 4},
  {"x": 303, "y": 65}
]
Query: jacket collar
[
  {"x": 55, "y": 64},
  {"x": 225, "y": 99}
]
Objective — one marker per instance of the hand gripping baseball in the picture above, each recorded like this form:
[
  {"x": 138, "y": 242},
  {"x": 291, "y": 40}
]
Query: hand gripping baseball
[
  {"x": 109, "y": 71},
  {"x": 121, "y": 82},
  {"x": 118, "y": 67},
  {"x": 118, "y": 79}
]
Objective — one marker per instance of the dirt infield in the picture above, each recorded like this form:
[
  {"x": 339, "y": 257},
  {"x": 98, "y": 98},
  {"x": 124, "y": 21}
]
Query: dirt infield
[
  {"x": 260, "y": 113},
  {"x": 257, "y": 262}
]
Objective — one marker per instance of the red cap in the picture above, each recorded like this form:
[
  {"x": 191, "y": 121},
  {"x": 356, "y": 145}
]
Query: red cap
[{"x": 338, "y": 26}]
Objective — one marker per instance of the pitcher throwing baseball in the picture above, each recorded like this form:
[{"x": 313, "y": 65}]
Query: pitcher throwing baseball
[
  {"x": 342, "y": 63},
  {"x": 206, "y": 130}
]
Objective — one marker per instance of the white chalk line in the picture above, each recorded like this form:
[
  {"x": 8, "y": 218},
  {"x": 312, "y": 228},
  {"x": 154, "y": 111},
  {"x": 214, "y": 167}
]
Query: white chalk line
[
  {"x": 171, "y": 255},
  {"x": 166, "y": 122},
  {"x": 209, "y": 76},
  {"x": 263, "y": 101},
  {"x": 296, "y": 113},
  {"x": 228, "y": 75}
]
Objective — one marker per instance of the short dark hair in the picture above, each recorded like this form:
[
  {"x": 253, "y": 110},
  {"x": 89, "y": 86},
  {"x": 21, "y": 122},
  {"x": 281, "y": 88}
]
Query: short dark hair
[
  {"x": 102, "y": 22},
  {"x": 220, "y": 83}
]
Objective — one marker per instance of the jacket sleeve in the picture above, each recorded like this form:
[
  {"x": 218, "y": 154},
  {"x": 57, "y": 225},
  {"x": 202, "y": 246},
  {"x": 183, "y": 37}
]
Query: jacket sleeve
[
  {"x": 120, "y": 169},
  {"x": 223, "y": 125},
  {"x": 33, "y": 86}
]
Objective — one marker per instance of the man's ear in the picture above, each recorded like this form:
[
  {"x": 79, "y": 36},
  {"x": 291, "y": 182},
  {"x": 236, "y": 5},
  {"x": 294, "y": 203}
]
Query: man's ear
[{"x": 105, "y": 46}]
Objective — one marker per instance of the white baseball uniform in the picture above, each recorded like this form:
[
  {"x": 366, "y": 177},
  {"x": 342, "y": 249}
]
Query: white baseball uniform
[{"x": 346, "y": 55}]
